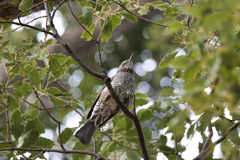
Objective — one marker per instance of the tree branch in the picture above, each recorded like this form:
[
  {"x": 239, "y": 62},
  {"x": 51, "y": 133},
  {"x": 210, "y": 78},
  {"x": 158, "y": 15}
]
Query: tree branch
[
  {"x": 25, "y": 25},
  {"x": 55, "y": 150},
  {"x": 107, "y": 81},
  {"x": 130, "y": 115},
  {"x": 204, "y": 152}
]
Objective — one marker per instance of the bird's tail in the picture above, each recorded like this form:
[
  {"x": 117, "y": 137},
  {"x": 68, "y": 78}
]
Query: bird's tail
[{"x": 85, "y": 133}]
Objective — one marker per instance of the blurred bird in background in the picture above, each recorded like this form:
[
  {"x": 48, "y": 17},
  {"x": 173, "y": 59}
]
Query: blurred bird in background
[{"x": 104, "y": 107}]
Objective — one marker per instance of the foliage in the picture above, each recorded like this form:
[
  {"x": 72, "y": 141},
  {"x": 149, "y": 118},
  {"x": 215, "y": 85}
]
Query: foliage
[{"x": 206, "y": 30}]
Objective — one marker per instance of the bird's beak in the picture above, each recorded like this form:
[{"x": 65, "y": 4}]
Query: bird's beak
[{"x": 130, "y": 59}]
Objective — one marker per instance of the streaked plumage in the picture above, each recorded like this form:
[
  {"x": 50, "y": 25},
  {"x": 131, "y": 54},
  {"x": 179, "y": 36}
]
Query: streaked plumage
[{"x": 104, "y": 107}]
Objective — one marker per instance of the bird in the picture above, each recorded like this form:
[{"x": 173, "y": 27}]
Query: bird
[{"x": 104, "y": 106}]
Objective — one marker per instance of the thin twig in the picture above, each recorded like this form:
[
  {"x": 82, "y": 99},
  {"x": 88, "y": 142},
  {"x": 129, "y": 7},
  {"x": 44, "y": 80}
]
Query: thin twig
[
  {"x": 68, "y": 49},
  {"x": 19, "y": 15},
  {"x": 105, "y": 20},
  {"x": 21, "y": 26},
  {"x": 60, "y": 4},
  {"x": 98, "y": 45},
  {"x": 22, "y": 99},
  {"x": 42, "y": 109},
  {"x": 8, "y": 127},
  {"x": 225, "y": 136},
  {"x": 26, "y": 25},
  {"x": 98, "y": 16},
  {"x": 81, "y": 23},
  {"x": 40, "y": 154},
  {"x": 36, "y": 93},
  {"x": 121, "y": 5},
  {"x": 71, "y": 106},
  {"x": 203, "y": 153},
  {"x": 230, "y": 120},
  {"x": 55, "y": 150}
]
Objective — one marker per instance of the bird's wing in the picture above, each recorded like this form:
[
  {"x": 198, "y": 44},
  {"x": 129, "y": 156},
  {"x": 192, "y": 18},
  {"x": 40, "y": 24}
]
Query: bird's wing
[
  {"x": 112, "y": 115},
  {"x": 94, "y": 103}
]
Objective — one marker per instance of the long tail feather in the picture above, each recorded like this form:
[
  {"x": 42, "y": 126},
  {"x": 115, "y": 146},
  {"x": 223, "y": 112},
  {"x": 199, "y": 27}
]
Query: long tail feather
[{"x": 85, "y": 133}]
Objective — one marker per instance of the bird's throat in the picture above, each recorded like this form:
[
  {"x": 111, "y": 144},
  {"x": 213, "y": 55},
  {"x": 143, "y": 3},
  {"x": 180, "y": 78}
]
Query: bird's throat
[{"x": 127, "y": 70}]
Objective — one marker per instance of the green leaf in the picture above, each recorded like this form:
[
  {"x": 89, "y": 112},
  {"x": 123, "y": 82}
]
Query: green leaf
[
  {"x": 44, "y": 143},
  {"x": 190, "y": 131},
  {"x": 34, "y": 77},
  {"x": 3, "y": 130},
  {"x": 60, "y": 57},
  {"x": 7, "y": 56},
  {"x": 16, "y": 124},
  {"x": 2, "y": 109},
  {"x": 145, "y": 115},
  {"x": 70, "y": 62},
  {"x": 84, "y": 3},
  {"x": 195, "y": 87},
  {"x": 66, "y": 134},
  {"x": 140, "y": 101},
  {"x": 49, "y": 42},
  {"x": 112, "y": 22},
  {"x": 86, "y": 34},
  {"x": 35, "y": 125},
  {"x": 144, "y": 10},
  {"x": 172, "y": 11},
  {"x": 166, "y": 91},
  {"x": 192, "y": 71},
  {"x": 7, "y": 25},
  {"x": 23, "y": 89},
  {"x": 25, "y": 4},
  {"x": 12, "y": 103},
  {"x": 30, "y": 45},
  {"x": 14, "y": 1},
  {"x": 165, "y": 62},
  {"x": 5, "y": 43},
  {"x": 78, "y": 146},
  {"x": 59, "y": 72},
  {"x": 129, "y": 16},
  {"x": 5, "y": 145},
  {"x": 132, "y": 155},
  {"x": 56, "y": 101},
  {"x": 87, "y": 18},
  {"x": 53, "y": 91},
  {"x": 32, "y": 114},
  {"x": 105, "y": 148},
  {"x": 54, "y": 64},
  {"x": 141, "y": 95},
  {"x": 159, "y": 5},
  {"x": 174, "y": 27},
  {"x": 11, "y": 63},
  {"x": 30, "y": 139},
  {"x": 180, "y": 62}
]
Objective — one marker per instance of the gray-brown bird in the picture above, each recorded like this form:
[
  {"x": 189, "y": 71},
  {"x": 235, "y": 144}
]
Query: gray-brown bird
[{"x": 104, "y": 107}]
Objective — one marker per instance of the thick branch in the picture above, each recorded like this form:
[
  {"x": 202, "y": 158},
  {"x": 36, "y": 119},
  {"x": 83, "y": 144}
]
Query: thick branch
[
  {"x": 130, "y": 115},
  {"x": 106, "y": 80}
]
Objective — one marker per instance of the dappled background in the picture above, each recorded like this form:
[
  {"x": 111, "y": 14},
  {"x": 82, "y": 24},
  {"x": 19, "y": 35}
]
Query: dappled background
[{"x": 170, "y": 105}]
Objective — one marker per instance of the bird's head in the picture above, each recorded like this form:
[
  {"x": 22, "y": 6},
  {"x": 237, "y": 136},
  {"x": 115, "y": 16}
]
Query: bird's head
[{"x": 127, "y": 64}]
